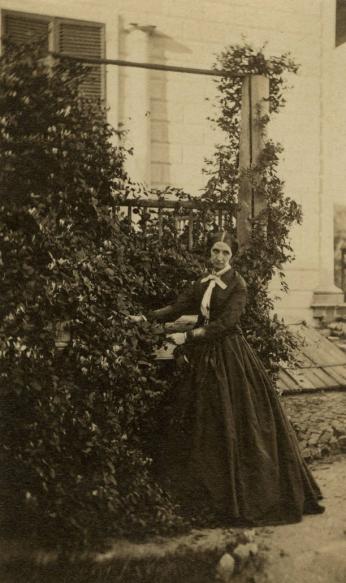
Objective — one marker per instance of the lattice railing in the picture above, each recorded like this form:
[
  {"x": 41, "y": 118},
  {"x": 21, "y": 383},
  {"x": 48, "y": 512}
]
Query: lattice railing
[{"x": 184, "y": 213}]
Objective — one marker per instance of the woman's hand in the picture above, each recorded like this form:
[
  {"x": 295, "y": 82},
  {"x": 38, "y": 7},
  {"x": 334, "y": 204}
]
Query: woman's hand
[
  {"x": 139, "y": 318},
  {"x": 177, "y": 338},
  {"x": 197, "y": 332}
]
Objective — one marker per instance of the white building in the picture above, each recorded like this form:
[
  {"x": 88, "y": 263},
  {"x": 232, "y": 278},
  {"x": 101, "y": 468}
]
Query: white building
[{"x": 167, "y": 112}]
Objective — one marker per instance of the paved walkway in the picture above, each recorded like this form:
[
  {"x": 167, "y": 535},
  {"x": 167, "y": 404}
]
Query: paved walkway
[{"x": 313, "y": 551}]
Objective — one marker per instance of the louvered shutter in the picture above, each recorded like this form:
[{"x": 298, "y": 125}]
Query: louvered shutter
[
  {"x": 21, "y": 29},
  {"x": 84, "y": 40},
  {"x": 340, "y": 28}
]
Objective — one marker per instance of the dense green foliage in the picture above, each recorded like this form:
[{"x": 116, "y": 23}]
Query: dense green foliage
[
  {"x": 76, "y": 422},
  {"x": 73, "y": 419}
]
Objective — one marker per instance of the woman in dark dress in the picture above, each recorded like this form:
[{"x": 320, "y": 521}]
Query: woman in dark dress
[{"x": 231, "y": 449}]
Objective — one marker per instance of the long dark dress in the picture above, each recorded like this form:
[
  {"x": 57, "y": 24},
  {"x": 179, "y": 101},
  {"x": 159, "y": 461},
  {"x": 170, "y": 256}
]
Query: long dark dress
[{"x": 230, "y": 447}]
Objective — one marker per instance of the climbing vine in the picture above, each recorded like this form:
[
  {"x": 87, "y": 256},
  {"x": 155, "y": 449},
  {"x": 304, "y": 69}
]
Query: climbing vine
[{"x": 269, "y": 250}]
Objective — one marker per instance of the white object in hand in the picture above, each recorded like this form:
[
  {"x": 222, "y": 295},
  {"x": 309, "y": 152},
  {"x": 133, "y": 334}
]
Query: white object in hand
[
  {"x": 177, "y": 338},
  {"x": 139, "y": 318}
]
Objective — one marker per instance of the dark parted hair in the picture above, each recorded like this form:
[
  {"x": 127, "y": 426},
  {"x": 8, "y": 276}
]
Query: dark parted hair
[{"x": 225, "y": 237}]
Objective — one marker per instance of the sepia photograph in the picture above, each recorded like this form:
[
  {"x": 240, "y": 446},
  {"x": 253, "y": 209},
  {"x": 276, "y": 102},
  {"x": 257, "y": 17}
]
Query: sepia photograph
[{"x": 173, "y": 291}]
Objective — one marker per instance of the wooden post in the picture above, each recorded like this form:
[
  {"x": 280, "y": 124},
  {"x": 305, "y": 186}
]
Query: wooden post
[
  {"x": 343, "y": 271},
  {"x": 129, "y": 215},
  {"x": 255, "y": 105},
  {"x": 190, "y": 231},
  {"x": 160, "y": 222}
]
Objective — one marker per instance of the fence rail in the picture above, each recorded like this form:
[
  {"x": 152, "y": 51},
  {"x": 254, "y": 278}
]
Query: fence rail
[{"x": 218, "y": 211}]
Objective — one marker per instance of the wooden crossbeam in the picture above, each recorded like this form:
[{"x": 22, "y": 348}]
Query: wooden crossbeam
[
  {"x": 172, "y": 204},
  {"x": 152, "y": 66}
]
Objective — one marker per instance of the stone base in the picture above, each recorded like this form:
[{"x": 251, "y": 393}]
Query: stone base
[
  {"x": 327, "y": 313},
  {"x": 328, "y": 304}
]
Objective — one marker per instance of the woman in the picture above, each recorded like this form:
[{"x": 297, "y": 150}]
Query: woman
[{"x": 233, "y": 450}]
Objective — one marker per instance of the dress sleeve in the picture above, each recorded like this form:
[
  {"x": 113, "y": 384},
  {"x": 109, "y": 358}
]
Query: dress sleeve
[
  {"x": 184, "y": 304},
  {"x": 231, "y": 313}
]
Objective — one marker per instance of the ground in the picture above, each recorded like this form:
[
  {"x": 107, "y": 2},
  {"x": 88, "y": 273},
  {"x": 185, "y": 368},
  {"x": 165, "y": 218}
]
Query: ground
[{"x": 313, "y": 551}]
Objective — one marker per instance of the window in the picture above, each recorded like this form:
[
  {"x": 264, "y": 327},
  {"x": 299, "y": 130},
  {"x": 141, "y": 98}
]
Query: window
[
  {"x": 340, "y": 27},
  {"x": 74, "y": 37}
]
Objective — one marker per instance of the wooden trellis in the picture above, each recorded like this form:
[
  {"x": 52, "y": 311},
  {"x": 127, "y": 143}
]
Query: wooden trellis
[{"x": 255, "y": 106}]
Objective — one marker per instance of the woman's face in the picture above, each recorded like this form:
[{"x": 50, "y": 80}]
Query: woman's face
[{"x": 220, "y": 255}]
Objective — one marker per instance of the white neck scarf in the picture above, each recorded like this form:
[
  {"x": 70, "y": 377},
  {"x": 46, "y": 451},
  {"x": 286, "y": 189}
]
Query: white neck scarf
[{"x": 214, "y": 279}]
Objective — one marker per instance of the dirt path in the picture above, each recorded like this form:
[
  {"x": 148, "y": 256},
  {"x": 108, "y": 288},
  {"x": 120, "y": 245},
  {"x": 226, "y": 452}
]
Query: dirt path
[{"x": 313, "y": 551}]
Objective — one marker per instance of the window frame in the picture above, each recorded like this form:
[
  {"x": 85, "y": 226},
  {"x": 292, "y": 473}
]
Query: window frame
[{"x": 53, "y": 35}]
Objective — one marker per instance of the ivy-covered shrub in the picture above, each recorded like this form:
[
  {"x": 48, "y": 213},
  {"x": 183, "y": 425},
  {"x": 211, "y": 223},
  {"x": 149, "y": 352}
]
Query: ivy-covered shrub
[{"x": 73, "y": 461}]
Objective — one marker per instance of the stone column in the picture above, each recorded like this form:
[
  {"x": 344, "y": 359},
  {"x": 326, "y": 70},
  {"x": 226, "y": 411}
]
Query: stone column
[{"x": 327, "y": 297}]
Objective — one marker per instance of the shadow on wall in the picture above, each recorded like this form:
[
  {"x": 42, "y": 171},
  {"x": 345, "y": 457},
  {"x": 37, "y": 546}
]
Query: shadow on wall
[
  {"x": 340, "y": 246},
  {"x": 162, "y": 112}
]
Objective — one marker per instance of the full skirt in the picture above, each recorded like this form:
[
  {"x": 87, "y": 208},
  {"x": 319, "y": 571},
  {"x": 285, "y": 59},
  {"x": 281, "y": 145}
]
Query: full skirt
[{"x": 230, "y": 450}]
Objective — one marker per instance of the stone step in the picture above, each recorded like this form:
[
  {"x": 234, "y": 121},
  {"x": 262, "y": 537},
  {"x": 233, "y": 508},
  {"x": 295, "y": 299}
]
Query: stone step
[
  {"x": 338, "y": 341},
  {"x": 324, "y": 332}
]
